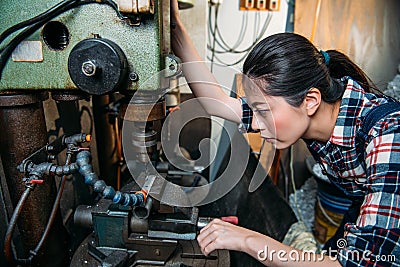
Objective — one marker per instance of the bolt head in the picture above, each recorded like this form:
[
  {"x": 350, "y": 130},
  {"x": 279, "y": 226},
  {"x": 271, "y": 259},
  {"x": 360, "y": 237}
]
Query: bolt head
[
  {"x": 88, "y": 68},
  {"x": 133, "y": 76}
]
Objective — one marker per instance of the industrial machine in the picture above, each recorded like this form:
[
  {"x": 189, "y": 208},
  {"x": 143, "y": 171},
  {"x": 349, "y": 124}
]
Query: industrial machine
[
  {"x": 103, "y": 51},
  {"x": 112, "y": 60}
]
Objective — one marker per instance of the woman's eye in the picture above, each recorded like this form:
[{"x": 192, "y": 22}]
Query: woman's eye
[{"x": 262, "y": 111}]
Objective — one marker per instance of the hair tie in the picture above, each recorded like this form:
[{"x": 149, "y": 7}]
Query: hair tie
[{"x": 327, "y": 58}]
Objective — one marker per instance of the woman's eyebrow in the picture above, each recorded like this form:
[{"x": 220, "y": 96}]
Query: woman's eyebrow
[{"x": 258, "y": 103}]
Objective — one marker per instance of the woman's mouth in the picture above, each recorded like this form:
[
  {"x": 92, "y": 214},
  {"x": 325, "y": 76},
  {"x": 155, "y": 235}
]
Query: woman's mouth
[{"x": 269, "y": 139}]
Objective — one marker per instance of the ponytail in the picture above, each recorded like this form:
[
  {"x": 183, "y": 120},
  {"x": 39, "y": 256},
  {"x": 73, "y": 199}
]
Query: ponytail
[
  {"x": 288, "y": 65},
  {"x": 340, "y": 65}
]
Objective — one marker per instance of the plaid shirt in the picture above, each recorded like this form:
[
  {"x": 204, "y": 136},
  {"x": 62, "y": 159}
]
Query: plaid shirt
[{"x": 376, "y": 232}]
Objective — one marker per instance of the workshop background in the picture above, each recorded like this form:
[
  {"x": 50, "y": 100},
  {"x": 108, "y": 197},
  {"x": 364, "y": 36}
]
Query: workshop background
[{"x": 56, "y": 100}]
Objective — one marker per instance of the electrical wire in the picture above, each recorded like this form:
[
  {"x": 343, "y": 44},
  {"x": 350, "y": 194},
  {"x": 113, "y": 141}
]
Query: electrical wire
[
  {"x": 6, "y": 52},
  {"x": 10, "y": 230},
  {"x": 53, "y": 213},
  {"x": 293, "y": 184},
  {"x": 87, "y": 110},
  {"x": 34, "y": 24},
  {"x": 223, "y": 44},
  {"x": 286, "y": 178},
  {"x": 11, "y": 227},
  {"x": 118, "y": 137},
  {"x": 230, "y": 64},
  {"x": 214, "y": 39},
  {"x": 276, "y": 170},
  {"x": 226, "y": 48},
  {"x": 256, "y": 25},
  {"x": 33, "y": 20}
]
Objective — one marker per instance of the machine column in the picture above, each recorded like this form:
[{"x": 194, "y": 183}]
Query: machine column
[{"x": 23, "y": 131}]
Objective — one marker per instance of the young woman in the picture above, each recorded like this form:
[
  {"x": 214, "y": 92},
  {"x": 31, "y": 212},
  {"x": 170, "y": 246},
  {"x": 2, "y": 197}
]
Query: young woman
[{"x": 322, "y": 98}]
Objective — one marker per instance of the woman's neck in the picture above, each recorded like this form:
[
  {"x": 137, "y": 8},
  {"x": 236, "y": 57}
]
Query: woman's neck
[{"x": 323, "y": 122}]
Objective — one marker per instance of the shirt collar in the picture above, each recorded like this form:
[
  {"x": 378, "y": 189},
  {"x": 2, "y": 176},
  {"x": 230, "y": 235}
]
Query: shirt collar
[{"x": 348, "y": 119}]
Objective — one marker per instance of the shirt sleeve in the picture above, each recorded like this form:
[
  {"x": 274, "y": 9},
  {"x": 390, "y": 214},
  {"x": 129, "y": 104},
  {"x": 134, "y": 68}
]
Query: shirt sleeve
[
  {"x": 374, "y": 240},
  {"x": 247, "y": 117}
]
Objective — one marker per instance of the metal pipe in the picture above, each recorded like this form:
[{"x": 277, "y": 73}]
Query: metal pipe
[
  {"x": 105, "y": 139},
  {"x": 24, "y": 132}
]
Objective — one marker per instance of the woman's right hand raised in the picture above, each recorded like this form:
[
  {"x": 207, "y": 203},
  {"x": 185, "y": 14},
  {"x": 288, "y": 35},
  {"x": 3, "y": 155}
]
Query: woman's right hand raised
[{"x": 174, "y": 12}]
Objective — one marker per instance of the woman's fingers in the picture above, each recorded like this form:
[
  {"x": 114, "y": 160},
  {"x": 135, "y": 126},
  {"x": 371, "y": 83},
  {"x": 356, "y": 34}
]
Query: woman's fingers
[{"x": 210, "y": 237}]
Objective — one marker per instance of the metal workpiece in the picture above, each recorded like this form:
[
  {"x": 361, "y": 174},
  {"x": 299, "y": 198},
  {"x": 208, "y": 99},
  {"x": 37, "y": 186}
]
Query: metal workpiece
[
  {"x": 23, "y": 132},
  {"x": 139, "y": 225},
  {"x": 42, "y": 56},
  {"x": 83, "y": 216},
  {"x": 143, "y": 212},
  {"x": 138, "y": 222}
]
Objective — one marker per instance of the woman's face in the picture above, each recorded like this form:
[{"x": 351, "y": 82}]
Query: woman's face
[{"x": 278, "y": 122}]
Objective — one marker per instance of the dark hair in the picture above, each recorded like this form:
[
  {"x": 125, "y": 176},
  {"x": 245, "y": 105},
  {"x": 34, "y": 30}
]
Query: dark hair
[{"x": 288, "y": 65}]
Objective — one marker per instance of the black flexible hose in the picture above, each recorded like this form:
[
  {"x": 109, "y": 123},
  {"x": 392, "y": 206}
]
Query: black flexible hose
[
  {"x": 11, "y": 227},
  {"x": 7, "y": 51},
  {"x": 53, "y": 213},
  {"x": 31, "y": 21}
]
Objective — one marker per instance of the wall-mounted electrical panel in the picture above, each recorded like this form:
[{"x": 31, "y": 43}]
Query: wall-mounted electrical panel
[
  {"x": 215, "y": 2},
  {"x": 259, "y": 5}
]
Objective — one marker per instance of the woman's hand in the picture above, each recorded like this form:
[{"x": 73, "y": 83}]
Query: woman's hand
[
  {"x": 223, "y": 235},
  {"x": 174, "y": 12}
]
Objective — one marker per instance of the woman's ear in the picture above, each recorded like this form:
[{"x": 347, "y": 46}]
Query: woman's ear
[{"x": 312, "y": 101}]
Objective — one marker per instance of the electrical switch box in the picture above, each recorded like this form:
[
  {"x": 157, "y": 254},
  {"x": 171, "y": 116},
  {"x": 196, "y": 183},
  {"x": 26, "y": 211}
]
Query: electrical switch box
[
  {"x": 259, "y": 5},
  {"x": 273, "y": 5}
]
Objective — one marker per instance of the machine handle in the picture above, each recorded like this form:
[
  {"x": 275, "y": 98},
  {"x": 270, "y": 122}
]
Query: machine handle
[{"x": 231, "y": 219}]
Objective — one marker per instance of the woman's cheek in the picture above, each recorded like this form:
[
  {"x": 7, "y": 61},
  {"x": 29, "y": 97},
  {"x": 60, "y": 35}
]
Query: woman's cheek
[{"x": 279, "y": 122}]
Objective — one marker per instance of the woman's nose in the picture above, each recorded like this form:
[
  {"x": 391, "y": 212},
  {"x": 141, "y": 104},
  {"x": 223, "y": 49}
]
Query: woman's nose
[{"x": 255, "y": 124}]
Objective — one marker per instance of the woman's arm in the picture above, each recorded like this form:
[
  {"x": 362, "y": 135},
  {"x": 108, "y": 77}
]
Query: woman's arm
[
  {"x": 223, "y": 235},
  {"x": 200, "y": 79}
]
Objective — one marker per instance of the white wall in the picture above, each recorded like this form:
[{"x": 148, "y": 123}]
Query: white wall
[{"x": 230, "y": 20}]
